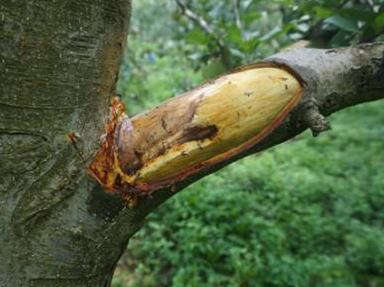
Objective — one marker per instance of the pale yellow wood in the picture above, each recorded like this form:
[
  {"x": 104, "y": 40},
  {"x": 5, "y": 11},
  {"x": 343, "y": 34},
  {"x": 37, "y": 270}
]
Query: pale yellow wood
[
  {"x": 240, "y": 105},
  {"x": 193, "y": 131}
]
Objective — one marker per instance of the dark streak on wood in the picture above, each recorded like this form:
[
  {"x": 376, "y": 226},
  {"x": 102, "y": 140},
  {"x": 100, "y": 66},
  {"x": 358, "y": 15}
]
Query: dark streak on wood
[
  {"x": 164, "y": 124},
  {"x": 197, "y": 133},
  {"x": 140, "y": 141}
]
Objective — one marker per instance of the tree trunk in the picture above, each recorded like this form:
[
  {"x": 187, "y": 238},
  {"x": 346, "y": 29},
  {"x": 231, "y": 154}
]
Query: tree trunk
[{"x": 59, "y": 63}]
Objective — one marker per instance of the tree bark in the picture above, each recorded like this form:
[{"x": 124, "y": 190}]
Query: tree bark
[{"x": 59, "y": 63}]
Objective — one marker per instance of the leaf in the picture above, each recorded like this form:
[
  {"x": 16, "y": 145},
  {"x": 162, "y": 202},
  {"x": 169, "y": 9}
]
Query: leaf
[
  {"x": 357, "y": 13},
  {"x": 343, "y": 23},
  {"x": 250, "y": 16},
  {"x": 213, "y": 69},
  {"x": 379, "y": 22},
  {"x": 234, "y": 34},
  {"x": 322, "y": 12},
  {"x": 340, "y": 39},
  {"x": 196, "y": 36}
]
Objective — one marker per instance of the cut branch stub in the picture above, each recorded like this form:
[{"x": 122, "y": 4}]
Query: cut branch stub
[{"x": 194, "y": 131}]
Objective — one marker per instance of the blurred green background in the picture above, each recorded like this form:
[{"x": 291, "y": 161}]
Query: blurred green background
[{"x": 306, "y": 213}]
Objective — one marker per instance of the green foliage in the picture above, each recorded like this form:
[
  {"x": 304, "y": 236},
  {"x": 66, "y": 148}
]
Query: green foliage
[
  {"x": 340, "y": 23},
  {"x": 263, "y": 27},
  {"x": 307, "y": 213},
  {"x": 154, "y": 77},
  {"x": 154, "y": 67}
]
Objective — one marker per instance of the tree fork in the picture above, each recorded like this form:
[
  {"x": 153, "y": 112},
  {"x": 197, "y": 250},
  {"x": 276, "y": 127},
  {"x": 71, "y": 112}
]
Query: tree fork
[{"x": 233, "y": 115}]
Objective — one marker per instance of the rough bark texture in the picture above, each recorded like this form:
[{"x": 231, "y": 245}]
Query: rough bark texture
[
  {"x": 58, "y": 71},
  {"x": 59, "y": 61}
]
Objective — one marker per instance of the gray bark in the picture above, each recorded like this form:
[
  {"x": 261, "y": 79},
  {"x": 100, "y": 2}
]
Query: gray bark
[
  {"x": 59, "y": 62},
  {"x": 58, "y": 72}
]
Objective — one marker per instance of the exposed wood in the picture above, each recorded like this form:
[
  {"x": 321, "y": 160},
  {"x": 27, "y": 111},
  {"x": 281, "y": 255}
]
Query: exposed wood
[{"x": 194, "y": 131}]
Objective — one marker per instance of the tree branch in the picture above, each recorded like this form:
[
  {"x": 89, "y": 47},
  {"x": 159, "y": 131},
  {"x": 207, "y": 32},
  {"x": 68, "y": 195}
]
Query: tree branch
[
  {"x": 203, "y": 24},
  {"x": 163, "y": 150},
  {"x": 236, "y": 11}
]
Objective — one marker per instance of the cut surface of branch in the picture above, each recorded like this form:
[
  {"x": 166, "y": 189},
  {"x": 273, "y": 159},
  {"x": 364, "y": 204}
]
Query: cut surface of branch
[{"x": 196, "y": 130}]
